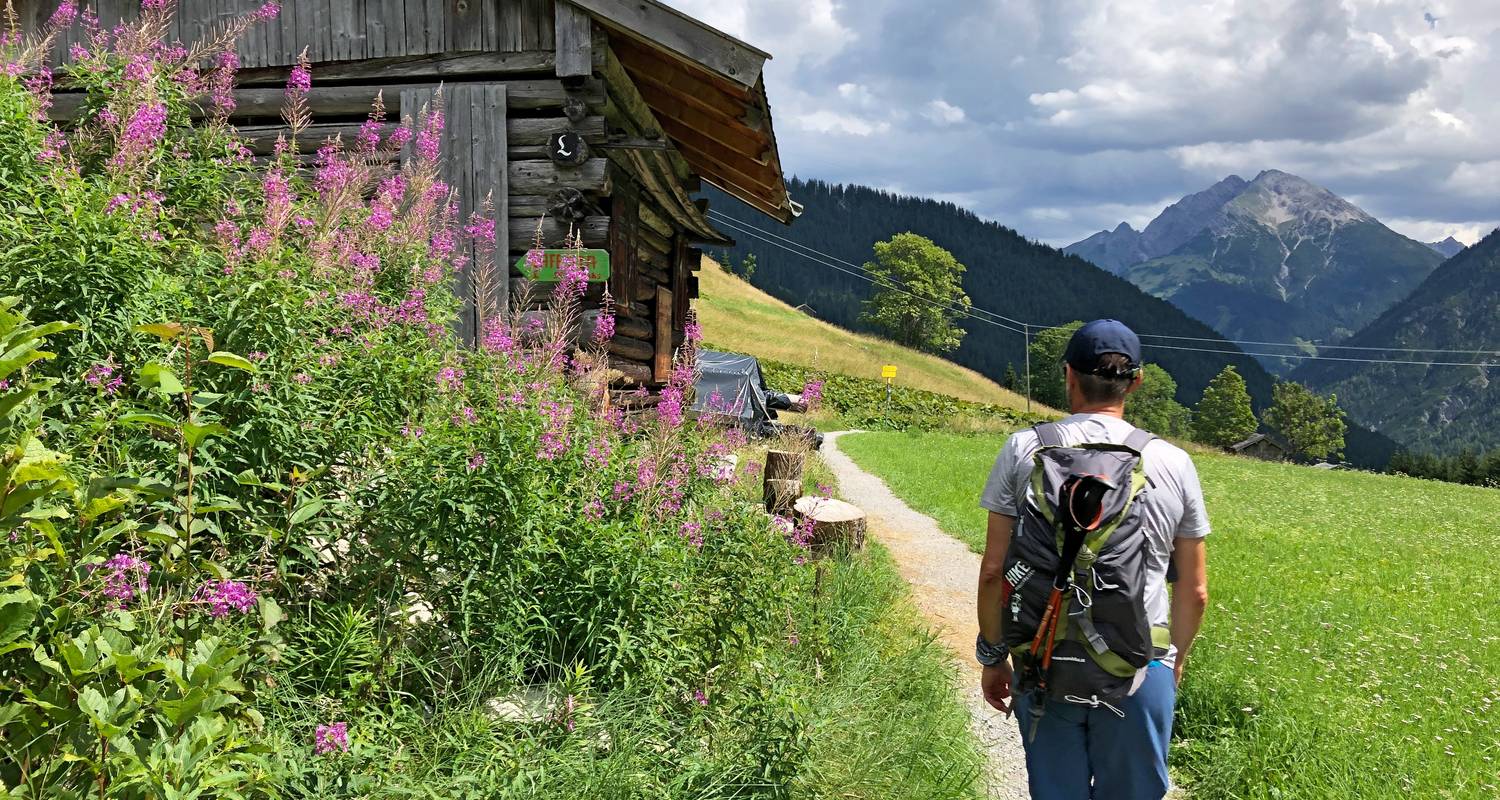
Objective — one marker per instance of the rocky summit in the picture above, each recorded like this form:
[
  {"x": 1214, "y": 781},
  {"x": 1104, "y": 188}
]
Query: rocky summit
[{"x": 1277, "y": 258}]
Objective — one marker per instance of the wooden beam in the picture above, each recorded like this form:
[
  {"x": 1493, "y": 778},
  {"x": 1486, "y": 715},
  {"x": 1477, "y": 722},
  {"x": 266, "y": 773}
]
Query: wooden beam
[
  {"x": 732, "y": 132},
  {"x": 470, "y": 65},
  {"x": 655, "y": 221},
  {"x": 656, "y": 25},
  {"x": 662, "y": 364},
  {"x": 574, "y": 34},
  {"x": 595, "y": 231},
  {"x": 544, "y": 177},
  {"x": 526, "y": 132}
]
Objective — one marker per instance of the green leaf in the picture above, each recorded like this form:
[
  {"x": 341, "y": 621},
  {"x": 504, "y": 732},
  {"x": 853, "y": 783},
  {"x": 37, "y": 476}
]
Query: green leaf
[
  {"x": 17, "y": 610},
  {"x": 166, "y": 331},
  {"x": 149, "y": 418},
  {"x": 224, "y": 359},
  {"x": 161, "y": 377},
  {"x": 270, "y": 613},
  {"x": 305, "y": 512},
  {"x": 195, "y": 433}
]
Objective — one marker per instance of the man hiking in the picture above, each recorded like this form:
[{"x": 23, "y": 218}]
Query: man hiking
[{"x": 1076, "y": 632}]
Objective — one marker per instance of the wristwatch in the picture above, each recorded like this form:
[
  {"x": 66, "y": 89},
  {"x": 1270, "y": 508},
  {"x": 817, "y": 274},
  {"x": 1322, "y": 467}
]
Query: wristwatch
[{"x": 987, "y": 654}]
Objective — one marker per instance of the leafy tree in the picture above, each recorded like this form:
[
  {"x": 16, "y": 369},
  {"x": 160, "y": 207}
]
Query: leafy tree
[
  {"x": 909, "y": 265},
  {"x": 1224, "y": 416},
  {"x": 1312, "y": 424},
  {"x": 1154, "y": 406},
  {"x": 1047, "y": 382},
  {"x": 747, "y": 266},
  {"x": 1009, "y": 380}
]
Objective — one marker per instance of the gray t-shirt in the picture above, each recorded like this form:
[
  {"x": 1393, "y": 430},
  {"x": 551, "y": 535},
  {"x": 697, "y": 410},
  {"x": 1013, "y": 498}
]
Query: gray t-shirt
[{"x": 1172, "y": 502}]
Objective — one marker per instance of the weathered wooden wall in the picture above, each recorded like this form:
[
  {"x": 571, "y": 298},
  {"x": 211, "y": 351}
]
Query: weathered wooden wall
[
  {"x": 513, "y": 73},
  {"x": 344, "y": 30}
]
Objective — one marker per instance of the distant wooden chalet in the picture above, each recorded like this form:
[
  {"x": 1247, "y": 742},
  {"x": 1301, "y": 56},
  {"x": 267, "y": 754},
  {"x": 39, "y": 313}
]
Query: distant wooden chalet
[
  {"x": 601, "y": 114},
  {"x": 1260, "y": 446}
]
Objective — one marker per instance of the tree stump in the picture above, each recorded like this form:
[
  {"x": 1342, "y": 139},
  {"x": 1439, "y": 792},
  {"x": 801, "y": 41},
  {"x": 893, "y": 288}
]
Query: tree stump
[
  {"x": 783, "y": 481},
  {"x": 781, "y": 496},
  {"x": 834, "y": 524},
  {"x": 783, "y": 465}
]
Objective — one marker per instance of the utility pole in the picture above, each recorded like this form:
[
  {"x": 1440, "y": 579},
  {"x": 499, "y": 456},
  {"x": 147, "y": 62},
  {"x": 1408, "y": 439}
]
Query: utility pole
[{"x": 1026, "y": 331}]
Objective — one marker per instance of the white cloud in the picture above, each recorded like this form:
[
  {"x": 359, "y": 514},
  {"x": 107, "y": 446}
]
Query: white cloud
[
  {"x": 1424, "y": 230},
  {"x": 942, "y": 112},
  {"x": 825, "y": 121}
]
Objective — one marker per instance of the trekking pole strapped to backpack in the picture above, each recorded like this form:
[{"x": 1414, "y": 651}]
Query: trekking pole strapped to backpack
[{"x": 1074, "y": 596}]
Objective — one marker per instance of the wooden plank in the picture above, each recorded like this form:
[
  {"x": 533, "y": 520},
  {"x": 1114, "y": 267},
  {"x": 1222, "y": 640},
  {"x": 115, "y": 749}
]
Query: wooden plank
[
  {"x": 356, "y": 99},
  {"x": 442, "y": 65},
  {"x": 633, "y": 349},
  {"x": 731, "y": 132},
  {"x": 594, "y": 229},
  {"x": 537, "y": 131},
  {"x": 686, "y": 38},
  {"x": 496, "y": 180},
  {"x": 655, "y": 221},
  {"x": 542, "y": 177},
  {"x": 464, "y": 25},
  {"x": 662, "y": 363},
  {"x": 509, "y": 38},
  {"x": 459, "y": 146},
  {"x": 575, "y": 54}
]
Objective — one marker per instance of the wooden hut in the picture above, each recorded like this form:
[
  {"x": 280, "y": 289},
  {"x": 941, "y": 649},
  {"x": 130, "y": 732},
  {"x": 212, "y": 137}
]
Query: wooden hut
[
  {"x": 602, "y": 115},
  {"x": 1260, "y": 446}
]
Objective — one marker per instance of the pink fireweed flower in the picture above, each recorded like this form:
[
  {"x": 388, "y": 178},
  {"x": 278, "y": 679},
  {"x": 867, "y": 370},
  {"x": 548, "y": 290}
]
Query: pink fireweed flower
[
  {"x": 812, "y": 394},
  {"x": 700, "y": 697},
  {"x": 593, "y": 511},
  {"x": 450, "y": 379},
  {"x": 267, "y": 12},
  {"x": 63, "y": 17},
  {"x": 693, "y": 533},
  {"x": 145, "y": 130},
  {"x": 52, "y": 146},
  {"x": 221, "y": 82},
  {"x": 599, "y": 452},
  {"x": 256, "y": 356},
  {"x": 259, "y": 240},
  {"x": 302, "y": 378},
  {"x": 221, "y": 597},
  {"x": 670, "y": 410},
  {"x": 102, "y": 376},
  {"x": 155, "y": 5},
  {"x": 623, "y": 491},
  {"x": 477, "y": 461},
  {"x": 413, "y": 432},
  {"x": 534, "y": 260},
  {"x": 399, "y": 138},
  {"x": 124, "y": 578},
  {"x": 300, "y": 80},
  {"x": 328, "y": 359},
  {"x": 139, "y": 68},
  {"x": 331, "y": 738},
  {"x": 429, "y": 140},
  {"x": 555, "y": 439}
]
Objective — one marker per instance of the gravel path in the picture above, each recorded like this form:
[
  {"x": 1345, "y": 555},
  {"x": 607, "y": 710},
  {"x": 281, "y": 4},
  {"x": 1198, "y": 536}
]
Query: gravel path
[{"x": 943, "y": 574}]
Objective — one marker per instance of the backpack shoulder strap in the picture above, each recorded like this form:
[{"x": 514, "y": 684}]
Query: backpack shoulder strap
[
  {"x": 1138, "y": 439},
  {"x": 1049, "y": 435}
]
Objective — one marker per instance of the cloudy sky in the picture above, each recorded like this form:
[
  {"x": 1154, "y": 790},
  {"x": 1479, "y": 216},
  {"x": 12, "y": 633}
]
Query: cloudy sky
[{"x": 1062, "y": 117}]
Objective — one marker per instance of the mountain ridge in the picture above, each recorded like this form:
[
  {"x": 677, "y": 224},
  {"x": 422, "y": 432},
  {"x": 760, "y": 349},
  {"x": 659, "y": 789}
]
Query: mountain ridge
[{"x": 1274, "y": 258}]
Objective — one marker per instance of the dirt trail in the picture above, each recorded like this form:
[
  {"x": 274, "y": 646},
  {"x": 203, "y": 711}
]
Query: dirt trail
[{"x": 943, "y": 574}]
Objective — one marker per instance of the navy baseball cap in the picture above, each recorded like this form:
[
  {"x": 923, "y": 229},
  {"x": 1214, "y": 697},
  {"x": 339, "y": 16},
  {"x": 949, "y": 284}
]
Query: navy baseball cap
[{"x": 1098, "y": 338}]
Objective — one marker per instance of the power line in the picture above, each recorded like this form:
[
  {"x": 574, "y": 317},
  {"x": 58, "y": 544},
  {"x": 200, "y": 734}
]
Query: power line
[
  {"x": 1325, "y": 346},
  {"x": 862, "y": 276},
  {"x": 1325, "y": 358},
  {"x": 1028, "y": 328},
  {"x": 748, "y": 228}
]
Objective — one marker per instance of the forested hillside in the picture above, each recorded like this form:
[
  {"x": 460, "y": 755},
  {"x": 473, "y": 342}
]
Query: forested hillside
[
  {"x": 1443, "y": 409},
  {"x": 1007, "y": 274}
]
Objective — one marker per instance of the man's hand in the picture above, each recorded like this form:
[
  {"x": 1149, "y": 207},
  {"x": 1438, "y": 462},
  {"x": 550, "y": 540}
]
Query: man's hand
[
  {"x": 996, "y": 686},
  {"x": 1177, "y": 669}
]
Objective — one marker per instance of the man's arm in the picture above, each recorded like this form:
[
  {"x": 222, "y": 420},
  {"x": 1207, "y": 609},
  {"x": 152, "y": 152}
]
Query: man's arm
[
  {"x": 996, "y": 680},
  {"x": 1189, "y": 596}
]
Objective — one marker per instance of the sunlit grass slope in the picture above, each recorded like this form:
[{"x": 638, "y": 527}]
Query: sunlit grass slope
[
  {"x": 740, "y": 317},
  {"x": 1350, "y": 649}
]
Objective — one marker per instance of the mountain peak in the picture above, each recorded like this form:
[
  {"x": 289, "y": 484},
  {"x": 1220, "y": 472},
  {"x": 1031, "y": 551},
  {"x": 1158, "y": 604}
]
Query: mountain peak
[
  {"x": 1276, "y": 198},
  {"x": 1124, "y": 227},
  {"x": 1449, "y": 247}
]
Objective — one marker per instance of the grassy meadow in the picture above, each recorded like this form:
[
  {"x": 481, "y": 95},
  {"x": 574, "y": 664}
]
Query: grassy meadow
[
  {"x": 1349, "y": 650},
  {"x": 740, "y": 317}
]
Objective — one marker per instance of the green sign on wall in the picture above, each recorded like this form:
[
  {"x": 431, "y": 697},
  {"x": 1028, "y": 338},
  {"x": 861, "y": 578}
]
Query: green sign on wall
[{"x": 596, "y": 261}]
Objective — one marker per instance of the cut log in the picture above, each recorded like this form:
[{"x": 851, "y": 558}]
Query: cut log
[
  {"x": 836, "y": 525},
  {"x": 784, "y": 465},
  {"x": 781, "y": 496}
]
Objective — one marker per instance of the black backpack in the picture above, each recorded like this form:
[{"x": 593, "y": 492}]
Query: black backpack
[{"x": 1074, "y": 600}]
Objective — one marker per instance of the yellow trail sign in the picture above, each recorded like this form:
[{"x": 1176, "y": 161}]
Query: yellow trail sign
[{"x": 888, "y": 372}]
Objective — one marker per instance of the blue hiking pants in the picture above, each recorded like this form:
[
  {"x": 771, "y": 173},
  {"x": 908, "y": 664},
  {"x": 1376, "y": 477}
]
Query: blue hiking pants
[{"x": 1084, "y": 753}]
